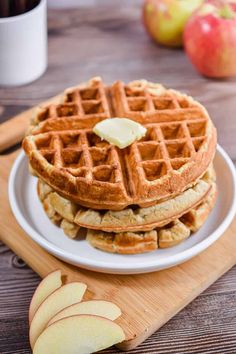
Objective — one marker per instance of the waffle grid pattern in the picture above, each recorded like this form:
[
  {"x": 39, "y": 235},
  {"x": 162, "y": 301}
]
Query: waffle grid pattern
[
  {"x": 83, "y": 102},
  {"x": 84, "y": 154},
  {"x": 143, "y": 99},
  {"x": 168, "y": 147},
  {"x": 171, "y": 143}
]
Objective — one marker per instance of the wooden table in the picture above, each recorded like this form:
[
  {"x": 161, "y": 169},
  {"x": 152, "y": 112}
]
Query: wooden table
[{"x": 110, "y": 41}]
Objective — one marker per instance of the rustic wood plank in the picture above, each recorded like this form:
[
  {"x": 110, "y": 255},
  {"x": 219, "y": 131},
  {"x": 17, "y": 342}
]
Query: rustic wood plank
[
  {"x": 111, "y": 42},
  {"x": 148, "y": 301},
  {"x": 207, "y": 325},
  {"x": 13, "y": 130}
]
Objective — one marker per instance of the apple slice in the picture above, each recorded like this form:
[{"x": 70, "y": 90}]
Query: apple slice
[
  {"x": 46, "y": 287},
  {"x": 81, "y": 334},
  {"x": 92, "y": 307},
  {"x": 65, "y": 296}
]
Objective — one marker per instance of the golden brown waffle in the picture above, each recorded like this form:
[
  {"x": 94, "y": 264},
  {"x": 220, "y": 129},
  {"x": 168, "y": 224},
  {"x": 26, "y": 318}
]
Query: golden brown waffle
[
  {"x": 169, "y": 235},
  {"x": 143, "y": 219},
  {"x": 137, "y": 242},
  {"x": 176, "y": 151},
  {"x": 80, "y": 107},
  {"x": 62, "y": 219},
  {"x": 128, "y": 219},
  {"x": 124, "y": 243}
]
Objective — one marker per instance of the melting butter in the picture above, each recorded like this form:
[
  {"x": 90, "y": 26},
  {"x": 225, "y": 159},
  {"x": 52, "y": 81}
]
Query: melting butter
[{"x": 120, "y": 132}]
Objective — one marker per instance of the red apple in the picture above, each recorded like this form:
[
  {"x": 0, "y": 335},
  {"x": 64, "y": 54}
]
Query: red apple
[
  {"x": 165, "y": 19},
  {"x": 210, "y": 39}
]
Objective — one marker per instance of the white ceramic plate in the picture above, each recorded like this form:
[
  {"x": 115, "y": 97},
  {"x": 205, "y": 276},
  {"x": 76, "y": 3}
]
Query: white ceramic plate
[{"x": 32, "y": 218}]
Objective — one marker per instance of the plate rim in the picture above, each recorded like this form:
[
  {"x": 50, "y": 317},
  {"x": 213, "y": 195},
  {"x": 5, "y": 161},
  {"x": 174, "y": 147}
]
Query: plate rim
[{"x": 115, "y": 267}]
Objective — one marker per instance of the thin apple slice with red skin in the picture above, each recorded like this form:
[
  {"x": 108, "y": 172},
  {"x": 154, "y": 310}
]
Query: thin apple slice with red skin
[
  {"x": 63, "y": 297},
  {"x": 92, "y": 307},
  {"x": 46, "y": 287},
  {"x": 81, "y": 334}
]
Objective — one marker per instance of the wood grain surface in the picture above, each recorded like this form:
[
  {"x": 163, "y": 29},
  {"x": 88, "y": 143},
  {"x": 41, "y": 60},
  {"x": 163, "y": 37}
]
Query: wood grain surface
[
  {"x": 207, "y": 325},
  {"x": 148, "y": 301},
  {"x": 110, "y": 41}
]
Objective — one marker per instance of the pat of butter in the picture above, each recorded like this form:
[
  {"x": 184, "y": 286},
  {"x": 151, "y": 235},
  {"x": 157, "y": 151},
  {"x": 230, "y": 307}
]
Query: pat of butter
[{"x": 120, "y": 132}]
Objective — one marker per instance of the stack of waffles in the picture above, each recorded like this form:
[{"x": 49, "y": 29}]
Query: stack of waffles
[{"x": 153, "y": 194}]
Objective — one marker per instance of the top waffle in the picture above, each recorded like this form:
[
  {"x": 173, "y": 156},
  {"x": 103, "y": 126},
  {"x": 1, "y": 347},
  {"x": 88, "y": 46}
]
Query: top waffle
[{"x": 176, "y": 151}]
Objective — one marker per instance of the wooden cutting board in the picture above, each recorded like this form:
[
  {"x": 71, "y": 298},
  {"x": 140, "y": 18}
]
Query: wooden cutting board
[{"x": 147, "y": 301}]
